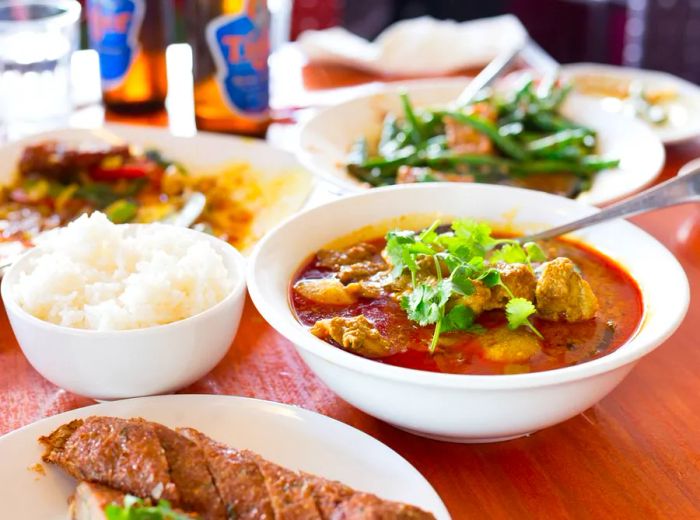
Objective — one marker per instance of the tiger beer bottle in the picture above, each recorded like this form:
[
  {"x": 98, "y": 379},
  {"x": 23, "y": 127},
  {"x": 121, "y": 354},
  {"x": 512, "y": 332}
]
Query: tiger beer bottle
[
  {"x": 230, "y": 45},
  {"x": 130, "y": 37}
]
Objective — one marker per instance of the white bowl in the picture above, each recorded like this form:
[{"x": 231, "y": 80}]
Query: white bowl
[
  {"x": 327, "y": 137},
  {"x": 136, "y": 362},
  {"x": 466, "y": 408}
]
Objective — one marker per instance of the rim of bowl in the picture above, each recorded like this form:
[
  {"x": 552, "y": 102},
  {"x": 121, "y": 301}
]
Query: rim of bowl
[
  {"x": 222, "y": 247},
  {"x": 299, "y": 335}
]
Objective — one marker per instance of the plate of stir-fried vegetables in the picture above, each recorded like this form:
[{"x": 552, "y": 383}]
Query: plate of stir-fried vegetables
[
  {"x": 141, "y": 175},
  {"x": 526, "y": 134}
]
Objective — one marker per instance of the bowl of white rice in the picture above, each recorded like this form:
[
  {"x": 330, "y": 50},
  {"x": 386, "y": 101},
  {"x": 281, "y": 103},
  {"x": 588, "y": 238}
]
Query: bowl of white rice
[{"x": 114, "y": 311}]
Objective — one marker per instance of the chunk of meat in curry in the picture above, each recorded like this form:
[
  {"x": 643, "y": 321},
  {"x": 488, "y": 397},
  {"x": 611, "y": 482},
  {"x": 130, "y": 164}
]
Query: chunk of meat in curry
[
  {"x": 356, "y": 334},
  {"x": 562, "y": 294},
  {"x": 519, "y": 279},
  {"x": 355, "y": 263},
  {"x": 336, "y": 258}
]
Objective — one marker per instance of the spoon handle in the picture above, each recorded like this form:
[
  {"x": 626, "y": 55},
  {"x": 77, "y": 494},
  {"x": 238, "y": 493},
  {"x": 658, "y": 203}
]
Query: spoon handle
[
  {"x": 488, "y": 75},
  {"x": 678, "y": 190}
]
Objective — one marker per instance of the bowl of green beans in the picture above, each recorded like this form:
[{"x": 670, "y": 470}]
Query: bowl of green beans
[{"x": 523, "y": 133}]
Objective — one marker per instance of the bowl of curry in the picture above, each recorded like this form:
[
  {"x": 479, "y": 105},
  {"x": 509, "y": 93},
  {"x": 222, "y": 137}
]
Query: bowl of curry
[{"x": 418, "y": 305}]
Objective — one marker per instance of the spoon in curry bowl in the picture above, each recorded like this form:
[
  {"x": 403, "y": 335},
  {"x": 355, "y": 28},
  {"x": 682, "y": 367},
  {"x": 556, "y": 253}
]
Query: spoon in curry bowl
[{"x": 679, "y": 190}]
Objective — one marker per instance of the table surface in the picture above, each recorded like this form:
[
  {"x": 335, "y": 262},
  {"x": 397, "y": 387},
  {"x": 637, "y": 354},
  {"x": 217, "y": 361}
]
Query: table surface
[{"x": 636, "y": 454}]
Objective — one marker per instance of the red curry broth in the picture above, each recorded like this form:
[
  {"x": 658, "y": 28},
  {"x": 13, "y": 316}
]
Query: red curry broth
[{"x": 565, "y": 344}]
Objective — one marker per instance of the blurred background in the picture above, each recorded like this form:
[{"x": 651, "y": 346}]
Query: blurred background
[{"x": 654, "y": 34}]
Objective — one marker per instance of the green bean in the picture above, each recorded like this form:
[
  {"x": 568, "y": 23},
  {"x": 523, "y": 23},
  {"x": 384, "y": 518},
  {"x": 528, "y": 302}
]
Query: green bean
[
  {"x": 549, "y": 122},
  {"x": 413, "y": 127},
  {"x": 555, "y": 97},
  {"x": 597, "y": 163},
  {"x": 554, "y": 142},
  {"x": 453, "y": 159},
  {"x": 359, "y": 151},
  {"x": 506, "y": 144},
  {"x": 567, "y": 153},
  {"x": 584, "y": 168},
  {"x": 388, "y": 142},
  {"x": 402, "y": 156},
  {"x": 374, "y": 176}
]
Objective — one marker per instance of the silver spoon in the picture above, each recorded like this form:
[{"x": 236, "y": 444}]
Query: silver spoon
[
  {"x": 679, "y": 190},
  {"x": 190, "y": 211},
  {"x": 488, "y": 75}
]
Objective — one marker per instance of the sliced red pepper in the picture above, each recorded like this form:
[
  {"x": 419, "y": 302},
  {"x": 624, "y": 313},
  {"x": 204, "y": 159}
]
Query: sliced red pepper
[{"x": 134, "y": 170}]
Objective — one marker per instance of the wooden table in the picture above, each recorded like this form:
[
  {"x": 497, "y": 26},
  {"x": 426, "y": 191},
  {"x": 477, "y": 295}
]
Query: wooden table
[{"x": 636, "y": 454}]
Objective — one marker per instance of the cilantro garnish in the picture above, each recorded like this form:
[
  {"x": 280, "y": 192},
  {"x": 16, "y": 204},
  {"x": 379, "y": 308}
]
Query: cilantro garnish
[
  {"x": 468, "y": 253},
  {"x": 518, "y": 312},
  {"x": 135, "y": 508}
]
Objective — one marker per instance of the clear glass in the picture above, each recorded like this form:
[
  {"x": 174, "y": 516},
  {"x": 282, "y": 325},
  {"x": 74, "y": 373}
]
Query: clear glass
[
  {"x": 37, "y": 39},
  {"x": 280, "y": 22}
]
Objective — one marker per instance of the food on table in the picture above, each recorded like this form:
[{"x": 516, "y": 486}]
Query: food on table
[
  {"x": 133, "y": 463},
  {"x": 520, "y": 139},
  {"x": 96, "y": 502},
  {"x": 94, "y": 274},
  {"x": 645, "y": 102},
  {"x": 56, "y": 182},
  {"x": 459, "y": 299}
]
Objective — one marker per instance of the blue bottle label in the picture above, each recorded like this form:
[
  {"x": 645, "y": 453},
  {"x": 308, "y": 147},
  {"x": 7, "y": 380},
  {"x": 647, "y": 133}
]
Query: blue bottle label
[
  {"x": 114, "y": 33},
  {"x": 240, "y": 47}
]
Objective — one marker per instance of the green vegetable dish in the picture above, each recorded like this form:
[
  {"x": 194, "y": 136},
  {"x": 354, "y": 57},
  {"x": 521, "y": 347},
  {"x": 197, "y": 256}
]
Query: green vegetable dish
[{"x": 519, "y": 139}]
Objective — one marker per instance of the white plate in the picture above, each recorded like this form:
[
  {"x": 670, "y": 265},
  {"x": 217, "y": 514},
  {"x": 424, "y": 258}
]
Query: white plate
[
  {"x": 290, "y": 436},
  {"x": 327, "y": 137},
  {"x": 204, "y": 152},
  {"x": 684, "y": 112}
]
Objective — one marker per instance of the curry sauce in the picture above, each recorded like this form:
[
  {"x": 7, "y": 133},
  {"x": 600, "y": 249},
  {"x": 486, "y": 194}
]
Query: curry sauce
[{"x": 620, "y": 310}]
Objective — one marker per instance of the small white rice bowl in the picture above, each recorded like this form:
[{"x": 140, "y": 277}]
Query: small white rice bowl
[{"x": 97, "y": 275}]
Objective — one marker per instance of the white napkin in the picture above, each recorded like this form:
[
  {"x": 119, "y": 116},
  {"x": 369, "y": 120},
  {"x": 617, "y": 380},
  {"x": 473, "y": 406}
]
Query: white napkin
[{"x": 418, "y": 46}]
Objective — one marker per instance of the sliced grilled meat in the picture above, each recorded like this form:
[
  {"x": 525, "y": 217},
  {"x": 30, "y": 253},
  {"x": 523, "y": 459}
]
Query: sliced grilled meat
[
  {"x": 123, "y": 454},
  {"x": 198, "y": 474},
  {"x": 238, "y": 480}
]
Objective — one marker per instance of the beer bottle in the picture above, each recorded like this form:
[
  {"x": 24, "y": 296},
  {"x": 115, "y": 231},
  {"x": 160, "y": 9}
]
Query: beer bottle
[
  {"x": 230, "y": 45},
  {"x": 130, "y": 37}
]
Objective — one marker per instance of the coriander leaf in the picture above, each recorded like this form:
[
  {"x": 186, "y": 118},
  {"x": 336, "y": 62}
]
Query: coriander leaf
[
  {"x": 511, "y": 253},
  {"x": 420, "y": 305},
  {"x": 135, "y": 509},
  {"x": 518, "y": 312},
  {"x": 477, "y": 263},
  {"x": 444, "y": 291},
  {"x": 460, "y": 317},
  {"x": 429, "y": 235},
  {"x": 451, "y": 261},
  {"x": 419, "y": 248},
  {"x": 426, "y": 303},
  {"x": 491, "y": 278},
  {"x": 397, "y": 243},
  {"x": 534, "y": 252},
  {"x": 478, "y": 234},
  {"x": 461, "y": 280}
]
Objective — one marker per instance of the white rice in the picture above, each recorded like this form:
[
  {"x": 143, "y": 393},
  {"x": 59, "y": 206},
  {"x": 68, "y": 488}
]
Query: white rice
[{"x": 92, "y": 274}]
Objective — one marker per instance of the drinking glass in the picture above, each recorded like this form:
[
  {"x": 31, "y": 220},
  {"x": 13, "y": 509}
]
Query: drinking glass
[{"x": 37, "y": 39}]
